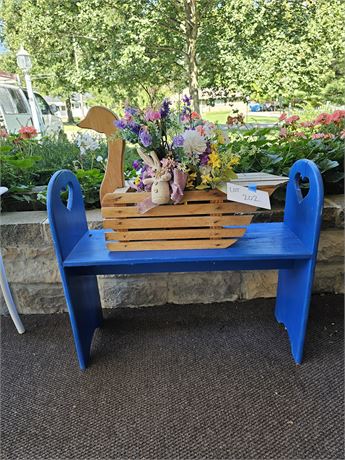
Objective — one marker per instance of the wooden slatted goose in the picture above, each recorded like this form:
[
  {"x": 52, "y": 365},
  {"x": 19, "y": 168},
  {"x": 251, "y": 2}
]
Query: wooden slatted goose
[{"x": 102, "y": 120}]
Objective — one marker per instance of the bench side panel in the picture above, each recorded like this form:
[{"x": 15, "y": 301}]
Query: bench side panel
[{"x": 303, "y": 215}]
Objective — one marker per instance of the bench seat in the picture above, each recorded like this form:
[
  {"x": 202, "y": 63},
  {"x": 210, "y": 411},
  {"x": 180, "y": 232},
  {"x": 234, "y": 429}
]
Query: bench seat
[{"x": 263, "y": 246}]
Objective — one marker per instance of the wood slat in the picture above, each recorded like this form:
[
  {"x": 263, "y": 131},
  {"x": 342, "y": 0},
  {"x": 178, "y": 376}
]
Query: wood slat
[
  {"x": 157, "y": 245},
  {"x": 145, "y": 235},
  {"x": 134, "y": 197},
  {"x": 176, "y": 222},
  {"x": 178, "y": 210},
  {"x": 112, "y": 199}
]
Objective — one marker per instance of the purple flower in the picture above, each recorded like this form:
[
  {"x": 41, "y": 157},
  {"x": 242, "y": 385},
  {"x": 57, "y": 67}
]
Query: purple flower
[
  {"x": 204, "y": 158},
  {"x": 186, "y": 100},
  {"x": 208, "y": 148},
  {"x": 121, "y": 123},
  {"x": 136, "y": 165},
  {"x": 178, "y": 141},
  {"x": 130, "y": 110},
  {"x": 134, "y": 127},
  {"x": 145, "y": 137},
  {"x": 165, "y": 109}
]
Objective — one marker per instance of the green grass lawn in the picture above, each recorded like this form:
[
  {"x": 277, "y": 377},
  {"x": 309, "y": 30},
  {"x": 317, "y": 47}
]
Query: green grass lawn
[
  {"x": 71, "y": 129},
  {"x": 221, "y": 117}
]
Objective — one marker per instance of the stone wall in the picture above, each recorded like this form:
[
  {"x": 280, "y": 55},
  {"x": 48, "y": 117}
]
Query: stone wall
[{"x": 35, "y": 280}]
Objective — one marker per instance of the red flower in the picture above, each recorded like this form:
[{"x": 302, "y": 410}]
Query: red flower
[
  {"x": 291, "y": 120},
  {"x": 282, "y": 116},
  {"x": 323, "y": 119},
  {"x": 337, "y": 116},
  {"x": 27, "y": 132},
  {"x": 194, "y": 115},
  {"x": 307, "y": 124}
]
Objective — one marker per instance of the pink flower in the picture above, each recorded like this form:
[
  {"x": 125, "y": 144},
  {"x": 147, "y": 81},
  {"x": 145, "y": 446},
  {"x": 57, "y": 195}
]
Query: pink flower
[
  {"x": 152, "y": 115},
  {"x": 323, "y": 119},
  {"x": 307, "y": 124},
  {"x": 201, "y": 130},
  {"x": 318, "y": 136},
  {"x": 194, "y": 115},
  {"x": 283, "y": 132},
  {"x": 128, "y": 117},
  {"x": 282, "y": 116},
  {"x": 291, "y": 120},
  {"x": 27, "y": 132},
  {"x": 337, "y": 116},
  {"x": 300, "y": 134},
  {"x": 3, "y": 133}
]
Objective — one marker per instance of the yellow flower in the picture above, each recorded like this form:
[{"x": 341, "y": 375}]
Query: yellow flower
[
  {"x": 220, "y": 136},
  {"x": 190, "y": 180},
  {"x": 214, "y": 160},
  {"x": 206, "y": 179},
  {"x": 234, "y": 161},
  {"x": 137, "y": 180}
]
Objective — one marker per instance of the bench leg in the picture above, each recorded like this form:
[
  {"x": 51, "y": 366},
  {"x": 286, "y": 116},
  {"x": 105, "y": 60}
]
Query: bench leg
[
  {"x": 292, "y": 305},
  {"x": 85, "y": 311}
]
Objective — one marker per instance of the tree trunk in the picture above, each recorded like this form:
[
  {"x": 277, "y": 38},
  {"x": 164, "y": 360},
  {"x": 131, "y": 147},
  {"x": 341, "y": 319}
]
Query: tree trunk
[
  {"x": 191, "y": 26},
  {"x": 70, "y": 118}
]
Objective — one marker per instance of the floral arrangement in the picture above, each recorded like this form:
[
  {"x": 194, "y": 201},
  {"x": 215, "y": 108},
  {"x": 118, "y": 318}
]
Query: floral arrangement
[{"x": 178, "y": 148}]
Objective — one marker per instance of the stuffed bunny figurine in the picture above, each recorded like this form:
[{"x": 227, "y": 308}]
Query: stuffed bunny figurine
[{"x": 160, "y": 191}]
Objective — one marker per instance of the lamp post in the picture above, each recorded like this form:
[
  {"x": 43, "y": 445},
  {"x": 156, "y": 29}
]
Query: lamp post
[{"x": 24, "y": 63}]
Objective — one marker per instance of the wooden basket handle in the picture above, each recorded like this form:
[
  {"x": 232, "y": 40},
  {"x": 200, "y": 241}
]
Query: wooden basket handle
[{"x": 102, "y": 120}]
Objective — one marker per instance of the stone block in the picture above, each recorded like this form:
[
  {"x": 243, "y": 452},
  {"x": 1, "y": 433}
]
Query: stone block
[
  {"x": 21, "y": 228},
  {"x": 329, "y": 278},
  {"x": 331, "y": 245},
  {"x": 203, "y": 287},
  {"x": 259, "y": 283},
  {"x": 37, "y": 298},
  {"x": 333, "y": 212},
  {"x": 31, "y": 264},
  {"x": 133, "y": 291}
]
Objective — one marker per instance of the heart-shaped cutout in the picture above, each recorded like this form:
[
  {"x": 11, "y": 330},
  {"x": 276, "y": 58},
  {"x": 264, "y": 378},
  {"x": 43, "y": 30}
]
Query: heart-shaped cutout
[
  {"x": 302, "y": 187},
  {"x": 66, "y": 195}
]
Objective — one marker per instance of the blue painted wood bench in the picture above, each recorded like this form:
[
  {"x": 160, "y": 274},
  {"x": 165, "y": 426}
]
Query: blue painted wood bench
[{"x": 289, "y": 246}]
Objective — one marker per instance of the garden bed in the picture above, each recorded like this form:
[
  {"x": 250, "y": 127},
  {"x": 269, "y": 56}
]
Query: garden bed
[{"x": 27, "y": 164}]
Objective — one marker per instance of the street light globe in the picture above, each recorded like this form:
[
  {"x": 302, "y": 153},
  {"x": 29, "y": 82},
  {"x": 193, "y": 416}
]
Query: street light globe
[{"x": 24, "y": 60}]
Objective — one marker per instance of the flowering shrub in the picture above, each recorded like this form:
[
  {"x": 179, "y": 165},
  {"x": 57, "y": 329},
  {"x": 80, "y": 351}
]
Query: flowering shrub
[
  {"x": 27, "y": 132},
  {"x": 325, "y": 126},
  {"x": 275, "y": 150},
  {"x": 182, "y": 141}
]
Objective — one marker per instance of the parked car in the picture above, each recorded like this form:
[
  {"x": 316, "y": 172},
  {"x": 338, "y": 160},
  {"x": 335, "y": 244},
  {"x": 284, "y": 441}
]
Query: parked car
[
  {"x": 255, "y": 107},
  {"x": 15, "y": 109}
]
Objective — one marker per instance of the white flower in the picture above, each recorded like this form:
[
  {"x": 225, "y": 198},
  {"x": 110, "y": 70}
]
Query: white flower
[
  {"x": 99, "y": 159},
  {"x": 205, "y": 170},
  {"x": 209, "y": 129},
  {"x": 86, "y": 142},
  {"x": 193, "y": 142}
]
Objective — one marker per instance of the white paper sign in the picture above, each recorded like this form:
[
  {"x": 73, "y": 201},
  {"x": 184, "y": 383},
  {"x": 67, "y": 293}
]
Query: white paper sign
[{"x": 258, "y": 198}]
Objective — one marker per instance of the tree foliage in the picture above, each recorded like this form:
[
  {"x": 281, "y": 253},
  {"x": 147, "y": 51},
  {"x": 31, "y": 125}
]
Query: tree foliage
[{"x": 121, "y": 49}]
